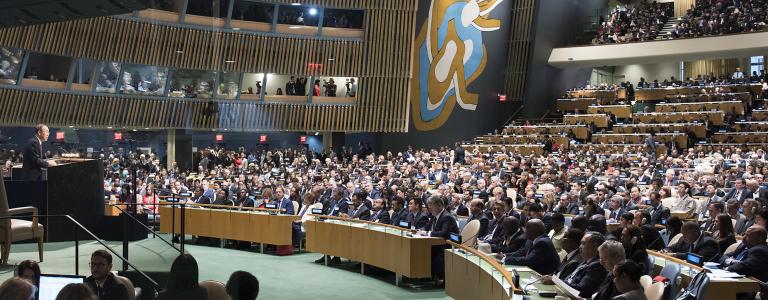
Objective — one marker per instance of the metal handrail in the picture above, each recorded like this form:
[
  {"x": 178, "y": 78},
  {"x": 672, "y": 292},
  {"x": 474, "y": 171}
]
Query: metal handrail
[
  {"x": 150, "y": 230},
  {"x": 77, "y": 243}
]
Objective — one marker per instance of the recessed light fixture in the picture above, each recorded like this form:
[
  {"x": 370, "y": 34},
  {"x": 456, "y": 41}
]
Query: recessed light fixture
[
  {"x": 179, "y": 52},
  {"x": 294, "y": 27},
  {"x": 295, "y": 4},
  {"x": 331, "y": 59},
  {"x": 109, "y": 127},
  {"x": 134, "y": 130},
  {"x": 229, "y": 61},
  {"x": 235, "y": 28}
]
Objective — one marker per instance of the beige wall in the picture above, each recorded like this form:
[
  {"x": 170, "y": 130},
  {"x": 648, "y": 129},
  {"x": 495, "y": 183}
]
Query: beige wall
[
  {"x": 660, "y": 71},
  {"x": 681, "y": 6}
]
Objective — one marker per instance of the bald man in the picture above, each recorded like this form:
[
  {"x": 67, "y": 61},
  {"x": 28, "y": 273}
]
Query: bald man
[
  {"x": 538, "y": 254},
  {"x": 757, "y": 254},
  {"x": 33, "y": 164}
]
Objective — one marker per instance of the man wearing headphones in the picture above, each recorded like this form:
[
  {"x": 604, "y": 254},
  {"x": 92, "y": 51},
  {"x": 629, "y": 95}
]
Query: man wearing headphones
[
  {"x": 684, "y": 203},
  {"x": 750, "y": 209}
]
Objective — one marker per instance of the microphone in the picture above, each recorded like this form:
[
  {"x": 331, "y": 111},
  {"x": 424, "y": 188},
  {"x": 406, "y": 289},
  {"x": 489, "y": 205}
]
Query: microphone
[{"x": 525, "y": 288}]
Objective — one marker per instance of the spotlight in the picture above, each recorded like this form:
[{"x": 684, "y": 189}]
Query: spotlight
[{"x": 312, "y": 11}]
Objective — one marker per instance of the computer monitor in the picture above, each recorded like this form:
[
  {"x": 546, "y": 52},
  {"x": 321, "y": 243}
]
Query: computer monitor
[
  {"x": 51, "y": 284},
  {"x": 404, "y": 224},
  {"x": 454, "y": 237},
  {"x": 694, "y": 259}
]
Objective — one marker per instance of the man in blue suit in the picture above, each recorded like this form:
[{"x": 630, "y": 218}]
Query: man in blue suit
[
  {"x": 539, "y": 254},
  {"x": 283, "y": 202}
]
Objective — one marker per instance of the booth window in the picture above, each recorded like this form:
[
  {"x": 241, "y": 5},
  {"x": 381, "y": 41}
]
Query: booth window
[
  {"x": 10, "y": 61},
  {"x": 208, "y": 8},
  {"x": 106, "y": 77},
  {"x": 229, "y": 82},
  {"x": 191, "y": 83},
  {"x": 48, "y": 67},
  {"x": 143, "y": 80},
  {"x": 342, "y": 18},
  {"x": 253, "y": 11}
]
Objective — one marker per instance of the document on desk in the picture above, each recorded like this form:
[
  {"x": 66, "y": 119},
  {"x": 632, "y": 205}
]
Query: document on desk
[
  {"x": 571, "y": 292},
  {"x": 723, "y": 274}
]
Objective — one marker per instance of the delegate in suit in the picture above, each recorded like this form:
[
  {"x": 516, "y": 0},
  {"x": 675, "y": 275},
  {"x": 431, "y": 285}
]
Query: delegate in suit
[{"x": 33, "y": 163}]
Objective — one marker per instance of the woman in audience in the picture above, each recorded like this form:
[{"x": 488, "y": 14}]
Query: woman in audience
[
  {"x": 29, "y": 270},
  {"x": 761, "y": 218},
  {"x": 183, "y": 281},
  {"x": 626, "y": 279},
  {"x": 242, "y": 286},
  {"x": 674, "y": 226},
  {"x": 76, "y": 291},
  {"x": 634, "y": 246},
  {"x": 724, "y": 233},
  {"x": 17, "y": 289}
]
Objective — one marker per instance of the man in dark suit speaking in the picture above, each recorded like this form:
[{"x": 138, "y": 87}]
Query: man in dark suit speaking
[{"x": 34, "y": 163}]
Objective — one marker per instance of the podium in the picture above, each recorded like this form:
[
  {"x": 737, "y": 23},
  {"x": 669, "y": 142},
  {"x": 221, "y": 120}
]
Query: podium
[{"x": 73, "y": 187}]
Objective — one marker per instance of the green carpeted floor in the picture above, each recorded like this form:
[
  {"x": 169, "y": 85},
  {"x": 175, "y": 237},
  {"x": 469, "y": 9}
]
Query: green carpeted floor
[{"x": 280, "y": 277}]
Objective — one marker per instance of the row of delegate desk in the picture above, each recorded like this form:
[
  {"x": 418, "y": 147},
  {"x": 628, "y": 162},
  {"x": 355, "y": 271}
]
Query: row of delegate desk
[
  {"x": 469, "y": 273},
  {"x": 725, "y": 106},
  {"x": 698, "y": 129},
  {"x": 579, "y": 131},
  {"x": 650, "y": 94}
]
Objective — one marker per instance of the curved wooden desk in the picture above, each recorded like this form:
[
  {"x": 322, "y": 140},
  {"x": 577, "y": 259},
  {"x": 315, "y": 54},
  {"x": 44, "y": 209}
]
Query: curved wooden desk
[
  {"x": 470, "y": 274},
  {"x": 381, "y": 245},
  {"x": 227, "y": 222},
  {"x": 718, "y": 289}
]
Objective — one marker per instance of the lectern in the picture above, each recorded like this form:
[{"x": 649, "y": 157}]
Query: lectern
[{"x": 74, "y": 187}]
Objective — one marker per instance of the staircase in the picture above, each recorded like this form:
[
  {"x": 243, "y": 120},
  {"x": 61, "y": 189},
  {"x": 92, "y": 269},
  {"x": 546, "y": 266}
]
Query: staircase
[{"x": 667, "y": 29}]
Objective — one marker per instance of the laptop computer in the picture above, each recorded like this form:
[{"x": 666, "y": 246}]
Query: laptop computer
[{"x": 51, "y": 284}]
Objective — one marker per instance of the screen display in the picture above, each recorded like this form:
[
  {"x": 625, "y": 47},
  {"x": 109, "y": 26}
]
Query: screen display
[
  {"x": 456, "y": 238},
  {"x": 317, "y": 211},
  {"x": 50, "y": 285},
  {"x": 694, "y": 259},
  {"x": 271, "y": 205},
  {"x": 404, "y": 224}
]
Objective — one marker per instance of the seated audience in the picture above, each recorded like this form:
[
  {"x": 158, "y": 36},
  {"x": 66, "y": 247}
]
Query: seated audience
[
  {"x": 17, "y": 289},
  {"x": 183, "y": 280},
  {"x": 611, "y": 253},
  {"x": 76, "y": 291},
  {"x": 242, "y": 286},
  {"x": 476, "y": 208},
  {"x": 514, "y": 237},
  {"x": 626, "y": 279},
  {"x": 29, "y": 270},
  {"x": 749, "y": 262},
  {"x": 571, "y": 246},
  {"x": 102, "y": 281},
  {"x": 724, "y": 235},
  {"x": 558, "y": 230},
  {"x": 632, "y": 240},
  {"x": 699, "y": 243},
  {"x": 539, "y": 255},
  {"x": 590, "y": 274}
]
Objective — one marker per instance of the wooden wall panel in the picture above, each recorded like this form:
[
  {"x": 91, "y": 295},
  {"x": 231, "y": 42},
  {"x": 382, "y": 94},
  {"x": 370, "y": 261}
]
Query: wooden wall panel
[
  {"x": 381, "y": 62},
  {"x": 717, "y": 66},
  {"x": 521, "y": 25},
  {"x": 681, "y": 6}
]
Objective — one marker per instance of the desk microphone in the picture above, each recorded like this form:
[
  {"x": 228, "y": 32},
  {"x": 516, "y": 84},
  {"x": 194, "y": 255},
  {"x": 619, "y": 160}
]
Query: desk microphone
[{"x": 525, "y": 288}]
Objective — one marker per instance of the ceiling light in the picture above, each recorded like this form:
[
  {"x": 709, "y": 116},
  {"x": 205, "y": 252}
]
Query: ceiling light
[
  {"x": 229, "y": 61},
  {"x": 295, "y": 4},
  {"x": 135, "y": 130},
  {"x": 312, "y": 11},
  {"x": 331, "y": 59},
  {"x": 109, "y": 127},
  {"x": 294, "y": 27},
  {"x": 179, "y": 52},
  {"x": 317, "y": 133},
  {"x": 235, "y": 28}
]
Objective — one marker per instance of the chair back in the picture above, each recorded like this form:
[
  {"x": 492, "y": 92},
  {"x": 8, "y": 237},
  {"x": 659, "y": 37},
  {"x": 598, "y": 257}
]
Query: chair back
[
  {"x": 469, "y": 233},
  {"x": 128, "y": 286},
  {"x": 646, "y": 281},
  {"x": 671, "y": 272},
  {"x": 732, "y": 247},
  {"x": 216, "y": 290},
  {"x": 4, "y": 223},
  {"x": 295, "y": 207},
  {"x": 651, "y": 262},
  {"x": 654, "y": 291},
  {"x": 675, "y": 239}
]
